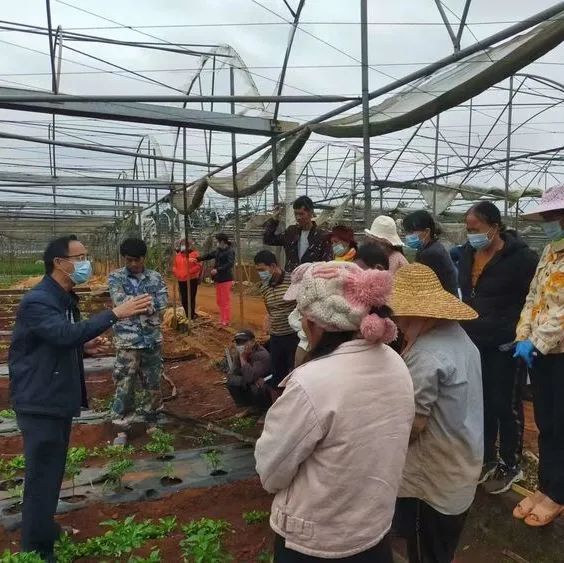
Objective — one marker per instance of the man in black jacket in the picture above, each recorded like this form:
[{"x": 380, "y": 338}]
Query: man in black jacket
[
  {"x": 303, "y": 242},
  {"x": 494, "y": 272},
  {"x": 47, "y": 380}
]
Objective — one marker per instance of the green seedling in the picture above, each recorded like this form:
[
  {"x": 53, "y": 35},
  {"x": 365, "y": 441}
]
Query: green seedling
[
  {"x": 154, "y": 557},
  {"x": 101, "y": 405},
  {"x": 16, "y": 492},
  {"x": 75, "y": 459},
  {"x": 121, "y": 538},
  {"x": 242, "y": 424},
  {"x": 161, "y": 444},
  {"x": 213, "y": 459},
  {"x": 113, "y": 452},
  {"x": 207, "y": 438},
  {"x": 116, "y": 470},
  {"x": 203, "y": 541},
  {"x": 7, "y": 413},
  {"x": 265, "y": 557},
  {"x": 256, "y": 517},
  {"x": 20, "y": 557}
]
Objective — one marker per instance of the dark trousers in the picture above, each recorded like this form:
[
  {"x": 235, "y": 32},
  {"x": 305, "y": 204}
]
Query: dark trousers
[
  {"x": 250, "y": 396},
  {"x": 431, "y": 537},
  {"x": 503, "y": 407},
  {"x": 381, "y": 553},
  {"x": 282, "y": 355},
  {"x": 183, "y": 288},
  {"x": 547, "y": 378},
  {"x": 46, "y": 441}
]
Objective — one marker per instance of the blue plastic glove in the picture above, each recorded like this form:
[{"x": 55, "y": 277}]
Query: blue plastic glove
[{"x": 526, "y": 351}]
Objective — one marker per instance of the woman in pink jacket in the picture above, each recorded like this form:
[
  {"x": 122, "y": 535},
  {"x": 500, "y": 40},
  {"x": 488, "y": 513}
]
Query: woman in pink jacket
[{"x": 334, "y": 444}]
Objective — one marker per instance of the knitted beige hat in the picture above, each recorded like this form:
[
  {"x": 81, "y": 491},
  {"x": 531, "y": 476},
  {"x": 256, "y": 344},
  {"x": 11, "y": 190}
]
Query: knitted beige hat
[{"x": 341, "y": 297}]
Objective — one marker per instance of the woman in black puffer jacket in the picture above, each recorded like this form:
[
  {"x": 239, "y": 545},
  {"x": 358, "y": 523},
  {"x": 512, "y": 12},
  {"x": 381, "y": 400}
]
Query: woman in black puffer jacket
[
  {"x": 222, "y": 275},
  {"x": 494, "y": 273}
]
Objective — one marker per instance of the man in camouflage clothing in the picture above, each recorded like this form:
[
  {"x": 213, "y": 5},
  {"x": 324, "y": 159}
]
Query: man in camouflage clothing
[{"x": 137, "y": 341}]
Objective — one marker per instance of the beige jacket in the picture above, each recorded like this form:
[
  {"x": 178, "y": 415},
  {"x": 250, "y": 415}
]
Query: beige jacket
[
  {"x": 333, "y": 450},
  {"x": 542, "y": 318}
]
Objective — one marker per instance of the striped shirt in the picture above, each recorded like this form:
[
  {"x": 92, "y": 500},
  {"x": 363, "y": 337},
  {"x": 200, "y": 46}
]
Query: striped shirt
[{"x": 278, "y": 309}]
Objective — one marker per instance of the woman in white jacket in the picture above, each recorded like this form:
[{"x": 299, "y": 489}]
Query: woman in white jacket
[{"x": 334, "y": 444}]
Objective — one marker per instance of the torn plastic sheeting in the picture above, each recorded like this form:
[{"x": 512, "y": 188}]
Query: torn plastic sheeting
[
  {"x": 451, "y": 85},
  {"x": 252, "y": 179},
  {"x": 446, "y": 193},
  {"x": 144, "y": 482}
]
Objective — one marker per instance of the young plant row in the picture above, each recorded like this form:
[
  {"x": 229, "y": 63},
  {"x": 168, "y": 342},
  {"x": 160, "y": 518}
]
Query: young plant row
[{"x": 202, "y": 542}]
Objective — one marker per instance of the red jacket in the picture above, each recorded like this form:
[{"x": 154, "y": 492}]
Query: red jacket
[{"x": 186, "y": 268}]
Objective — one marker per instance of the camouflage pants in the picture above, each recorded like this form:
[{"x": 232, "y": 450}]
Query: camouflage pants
[{"x": 137, "y": 368}]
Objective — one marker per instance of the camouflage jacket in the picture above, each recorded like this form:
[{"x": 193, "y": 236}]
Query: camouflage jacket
[{"x": 143, "y": 331}]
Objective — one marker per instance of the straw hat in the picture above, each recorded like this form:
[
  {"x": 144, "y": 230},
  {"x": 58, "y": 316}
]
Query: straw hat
[
  {"x": 384, "y": 227},
  {"x": 552, "y": 200},
  {"x": 418, "y": 293}
]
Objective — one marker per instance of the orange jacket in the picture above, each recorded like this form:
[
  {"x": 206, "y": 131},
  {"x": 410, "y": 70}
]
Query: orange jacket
[{"x": 186, "y": 268}]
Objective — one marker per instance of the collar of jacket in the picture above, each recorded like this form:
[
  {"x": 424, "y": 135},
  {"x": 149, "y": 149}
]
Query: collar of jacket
[
  {"x": 357, "y": 344},
  {"x": 66, "y": 297},
  {"x": 296, "y": 231},
  {"x": 558, "y": 245},
  {"x": 277, "y": 279}
]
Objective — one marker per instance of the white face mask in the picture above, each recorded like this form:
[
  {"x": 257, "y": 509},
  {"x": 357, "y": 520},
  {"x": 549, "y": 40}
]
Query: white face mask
[
  {"x": 182, "y": 248},
  {"x": 240, "y": 348}
]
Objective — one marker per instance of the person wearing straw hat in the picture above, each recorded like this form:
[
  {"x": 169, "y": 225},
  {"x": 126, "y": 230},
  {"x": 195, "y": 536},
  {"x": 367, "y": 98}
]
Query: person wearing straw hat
[
  {"x": 540, "y": 345},
  {"x": 385, "y": 233},
  {"x": 444, "y": 459},
  {"x": 334, "y": 443}
]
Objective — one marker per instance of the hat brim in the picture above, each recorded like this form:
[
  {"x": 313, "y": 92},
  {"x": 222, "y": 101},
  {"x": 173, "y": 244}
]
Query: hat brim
[
  {"x": 394, "y": 241},
  {"x": 439, "y": 305},
  {"x": 535, "y": 214}
]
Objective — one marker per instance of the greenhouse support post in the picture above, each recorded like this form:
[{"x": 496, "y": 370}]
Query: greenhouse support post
[
  {"x": 508, "y": 147},
  {"x": 185, "y": 198},
  {"x": 365, "y": 111}
]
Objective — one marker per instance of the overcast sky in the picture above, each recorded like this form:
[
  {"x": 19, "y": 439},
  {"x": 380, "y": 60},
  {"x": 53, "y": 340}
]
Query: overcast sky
[{"x": 404, "y": 35}]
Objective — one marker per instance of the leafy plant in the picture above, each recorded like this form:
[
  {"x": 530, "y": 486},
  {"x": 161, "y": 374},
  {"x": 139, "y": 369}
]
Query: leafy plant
[
  {"x": 256, "y": 516},
  {"x": 207, "y": 438},
  {"x": 7, "y": 413},
  {"x": 20, "y": 557},
  {"x": 213, "y": 459},
  {"x": 154, "y": 557},
  {"x": 168, "y": 472},
  {"x": 242, "y": 424},
  {"x": 116, "y": 470},
  {"x": 113, "y": 452},
  {"x": 161, "y": 444},
  {"x": 16, "y": 492},
  {"x": 121, "y": 538},
  {"x": 265, "y": 557},
  {"x": 75, "y": 458},
  {"x": 101, "y": 405},
  {"x": 203, "y": 541}
]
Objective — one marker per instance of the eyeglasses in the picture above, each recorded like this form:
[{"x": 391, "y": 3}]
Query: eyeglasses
[{"x": 76, "y": 257}]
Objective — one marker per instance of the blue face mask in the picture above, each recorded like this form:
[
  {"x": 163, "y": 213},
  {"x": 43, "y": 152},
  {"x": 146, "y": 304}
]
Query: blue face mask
[
  {"x": 413, "y": 241},
  {"x": 339, "y": 249},
  {"x": 553, "y": 230},
  {"x": 478, "y": 241},
  {"x": 82, "y": 272},
  {"x": 265, "y": 277}
]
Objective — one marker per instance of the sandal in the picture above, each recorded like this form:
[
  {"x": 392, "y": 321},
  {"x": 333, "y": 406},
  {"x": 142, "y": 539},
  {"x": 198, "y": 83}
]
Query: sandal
[
  {"x": 541, "y": 516},
  {"x": 526, "y": 506}
]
